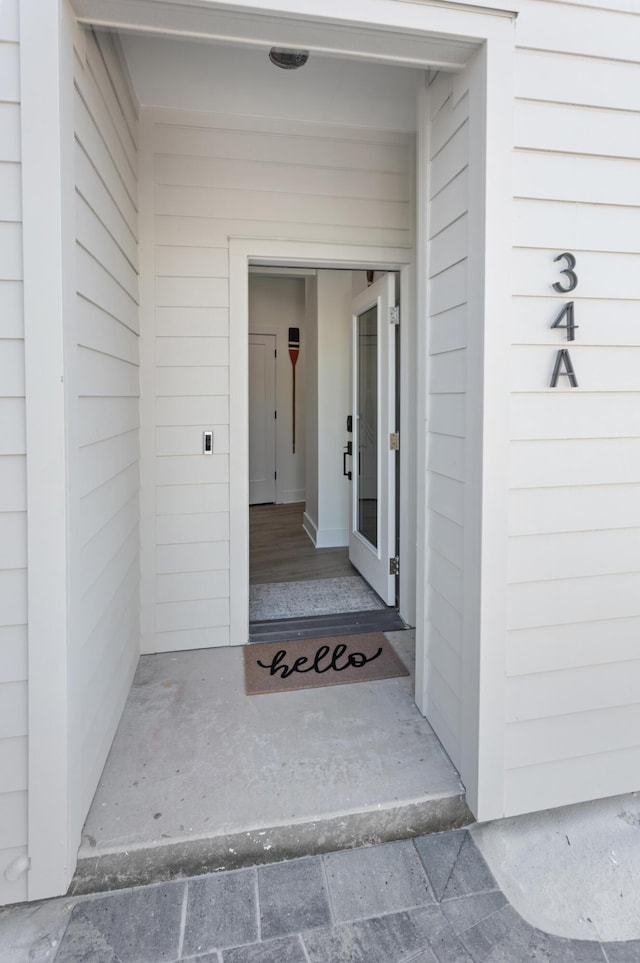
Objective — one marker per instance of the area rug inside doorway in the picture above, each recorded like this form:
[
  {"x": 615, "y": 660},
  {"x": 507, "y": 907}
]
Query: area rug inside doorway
[
  {"x": 322, "y": 596},
  {"x": 308, "y": 663}
]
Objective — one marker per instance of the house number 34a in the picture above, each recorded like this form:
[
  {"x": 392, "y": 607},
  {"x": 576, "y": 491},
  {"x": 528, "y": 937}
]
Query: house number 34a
[{"x": 563, "y": 367}]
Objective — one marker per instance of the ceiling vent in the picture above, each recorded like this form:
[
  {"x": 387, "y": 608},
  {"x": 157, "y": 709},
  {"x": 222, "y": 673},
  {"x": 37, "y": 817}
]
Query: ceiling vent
[{"x": 288, "y": 59}]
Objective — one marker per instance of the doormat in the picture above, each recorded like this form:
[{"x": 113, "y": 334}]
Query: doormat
[{"x": 309, "y": 663}]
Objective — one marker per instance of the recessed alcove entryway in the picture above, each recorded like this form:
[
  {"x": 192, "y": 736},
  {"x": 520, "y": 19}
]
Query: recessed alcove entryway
[{"x": 201, "y": 777}]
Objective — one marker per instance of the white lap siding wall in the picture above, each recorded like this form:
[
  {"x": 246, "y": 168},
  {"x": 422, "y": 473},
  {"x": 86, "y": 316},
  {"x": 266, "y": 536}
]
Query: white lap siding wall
[
  {"x": 573, "y": 658},
  {"x": 13, "y": 495},
  {"x": 104, "y": 414},
  {"x": 207, "y": 179}
]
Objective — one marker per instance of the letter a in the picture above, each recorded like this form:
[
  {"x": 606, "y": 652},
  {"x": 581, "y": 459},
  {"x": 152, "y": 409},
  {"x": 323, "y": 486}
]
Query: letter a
[{"x": 563, "y": 360}]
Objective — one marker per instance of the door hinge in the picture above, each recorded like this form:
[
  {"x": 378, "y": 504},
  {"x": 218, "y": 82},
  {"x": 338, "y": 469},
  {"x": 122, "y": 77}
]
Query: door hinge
[
  {"x": 394, "y": 315},
  {"x": 394, "y": 566},
  {"x": 394, "y": 441}
]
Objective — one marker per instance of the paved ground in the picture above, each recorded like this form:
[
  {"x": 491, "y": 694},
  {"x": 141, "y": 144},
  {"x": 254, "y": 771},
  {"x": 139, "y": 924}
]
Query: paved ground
[{"x": 428, "y": 900}]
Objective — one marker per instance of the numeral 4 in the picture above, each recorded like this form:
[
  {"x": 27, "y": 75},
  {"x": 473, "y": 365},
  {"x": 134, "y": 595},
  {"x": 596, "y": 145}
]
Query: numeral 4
[{"x": 570, "y": 325}]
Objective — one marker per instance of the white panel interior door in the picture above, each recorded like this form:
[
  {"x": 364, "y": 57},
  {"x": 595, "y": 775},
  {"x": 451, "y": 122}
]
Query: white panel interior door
[
  {"x": 262, "y": 419},
  {"x": 372, "y": 529}
]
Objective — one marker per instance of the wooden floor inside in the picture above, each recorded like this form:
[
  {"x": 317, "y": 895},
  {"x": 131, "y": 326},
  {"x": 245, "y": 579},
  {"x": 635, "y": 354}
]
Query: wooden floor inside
[{"x": 281, "y": 551}]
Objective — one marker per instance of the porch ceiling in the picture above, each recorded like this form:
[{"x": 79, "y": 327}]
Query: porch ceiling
[{"x": 206, "y": 21}]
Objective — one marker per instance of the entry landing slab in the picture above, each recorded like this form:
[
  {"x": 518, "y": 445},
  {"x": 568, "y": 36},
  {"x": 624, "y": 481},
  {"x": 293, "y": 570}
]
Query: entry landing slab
[{"x": 201, "y": 777}]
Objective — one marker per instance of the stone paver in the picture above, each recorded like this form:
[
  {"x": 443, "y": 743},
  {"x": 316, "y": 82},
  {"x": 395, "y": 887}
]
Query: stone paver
[{"x": 430, "y": 900}]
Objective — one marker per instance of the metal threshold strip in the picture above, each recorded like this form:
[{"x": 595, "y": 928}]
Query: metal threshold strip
[{"x": 318, "y": 626}]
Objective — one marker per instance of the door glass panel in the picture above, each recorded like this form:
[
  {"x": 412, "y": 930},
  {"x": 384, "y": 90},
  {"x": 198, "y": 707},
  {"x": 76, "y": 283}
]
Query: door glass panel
[{"x": 367, "y": 395}]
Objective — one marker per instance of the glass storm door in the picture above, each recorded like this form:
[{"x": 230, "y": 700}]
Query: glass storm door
[{"x": 372, "y": 535}]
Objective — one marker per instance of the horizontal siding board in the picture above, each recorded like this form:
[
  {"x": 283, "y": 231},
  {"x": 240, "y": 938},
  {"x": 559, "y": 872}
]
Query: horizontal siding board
[
  {"x": 560, "y": 462},
  {"x": 9, "y": 21},
  {"x": 594, "y": 33},
  {"x": 573, "y": 554},
  {"x": 602, "y": 275},
  {"x": 446, "y": 456},
  {"x": 610, "y": 324},
  {"x": 180, "y": 529},
  {"x": 570, "y": 600},
  {"x": 9, "y": 72},
  {"x": 204, "y": 262},
  {"x": 444, "y": 658},
  {"x": 447, "y": 414},
  {"x": 11, "y": 309},
  {"x": 446, "y": 619},
  {"x": 451, "y": 159},
  {"x": 13, "y": 598},
  {"x": 188, "y": 499},
  {"x": 199, "y": 231},
  {"x": 12, "y": 419},
  {"x": 446, "y": 578},
  {"x": 101, "y": 374},
  {"x": 192, "y": 470},
  {"x": 577, "y": 690},
  {"x": 117, "y": 213},
  {"x": 256, "y": 205},
  {"x": 449, "y": 288},
  {"x": 449, "y": 119},
  {"x": 11, "y": 250},
  {"x": 446, "y": 496},
  {"x": 10, "y": 149},
  {"x": 451, "y": 246},
  {"x": 96, "y": 554},
  {"x": 448, "y": 330},
  {"x": 13, "y": 819},
  {"x": 448, "y": 372},
  {"x": 12, "y": 368},
  {"x": 13, "y": 653},
  {"x": 567, "y": 177},
  {"x": 103, "y": 503},
  {"x": 192, "y": 351},
  {"x": 105, "y": 334},
  {"x": 109, "y": 49},
  {"x": 582, "y": 226},
  {"x": 446, "y": 537},
  {"x": 274, "y": 146},
  {"x": 98, "y": 182},
  {"x": 92, "y": 235},
  {"x": 561, "y": 783},
  {"x": 97, "y": 115},
  {"x": 579, "y": 414},
  {"x": 191, "y": 380},
  {"x": 103, "y": 82},
  {"x": 192, "y": 292},
  {"x": 192, "y": 557},
  {"x": 120, "y": 574},
  {"x": 557, "y": 76},
  {"x": 198, "y": 614},
  {"x": 448, "y": 205},
  {"x": 100, "y": 288},
  {"x": 189, "y": 586},
  {"x": 187, "y": 639},
  {"x": 203, "y": 409},
  {"x": 445, "y": 710},
  {"x": 585, "y": 508},
  {"x": 556, "y": 647},
  {"x": 102, "y": 418},
  {"x": 10, "y": 192},
  {"x": 576, "y": 130},
  {"x": 192, "y": 322},
  {"x": 569, "y": 736},
  {"x": 105, "y": 460},
  {"x": 13, "y": 765},
  {"x": 13, "y": 715},
  {"x": 13, "y": 540},
  {"x": 233, "y": 174}
]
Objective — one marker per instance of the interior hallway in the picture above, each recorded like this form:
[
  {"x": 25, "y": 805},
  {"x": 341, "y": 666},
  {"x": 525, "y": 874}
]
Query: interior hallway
[{"x": 201, "y": 777}]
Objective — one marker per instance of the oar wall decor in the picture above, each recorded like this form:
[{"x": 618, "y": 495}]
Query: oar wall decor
[{"x": 294, "y": 351}]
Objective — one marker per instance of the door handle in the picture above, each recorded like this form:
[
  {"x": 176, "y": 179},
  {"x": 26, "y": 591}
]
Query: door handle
[{"x": 347, "y": 451}]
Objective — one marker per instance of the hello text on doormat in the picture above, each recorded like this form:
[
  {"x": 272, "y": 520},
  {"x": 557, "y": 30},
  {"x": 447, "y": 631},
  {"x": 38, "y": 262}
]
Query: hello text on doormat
[{"x": 308, "y": 663}]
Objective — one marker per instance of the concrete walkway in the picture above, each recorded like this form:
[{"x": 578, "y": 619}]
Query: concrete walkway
[{"x": 428, "y": 900}]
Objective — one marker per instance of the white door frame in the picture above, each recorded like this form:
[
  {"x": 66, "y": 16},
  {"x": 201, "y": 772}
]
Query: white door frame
[{"x": 243, "y": 252}]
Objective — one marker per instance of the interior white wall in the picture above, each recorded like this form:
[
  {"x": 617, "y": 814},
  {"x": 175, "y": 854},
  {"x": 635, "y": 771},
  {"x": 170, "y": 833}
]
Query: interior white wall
[{"x": 275, "y": 305}]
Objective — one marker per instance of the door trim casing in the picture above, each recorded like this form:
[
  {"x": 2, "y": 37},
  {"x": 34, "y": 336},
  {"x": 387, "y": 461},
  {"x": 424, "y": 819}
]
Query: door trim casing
[{"x": 242, "y": 253}]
